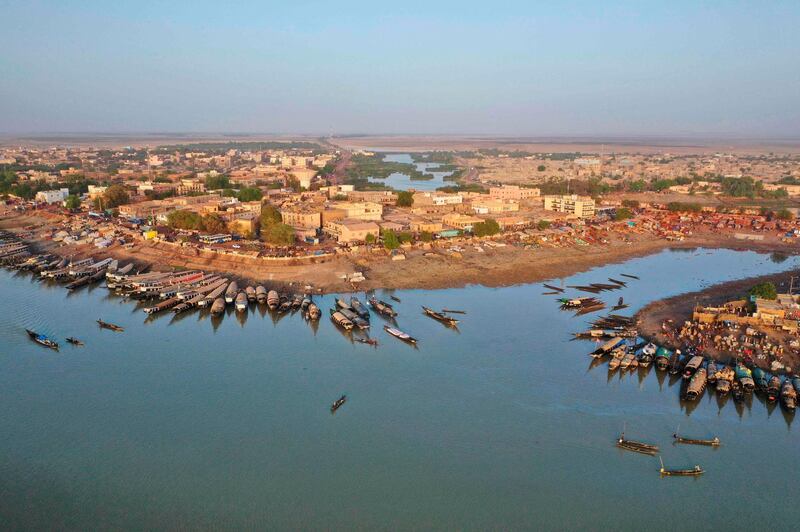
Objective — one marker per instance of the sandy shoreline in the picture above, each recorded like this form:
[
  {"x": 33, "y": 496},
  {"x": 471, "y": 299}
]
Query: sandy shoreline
[{"x": 436, "y": 268}]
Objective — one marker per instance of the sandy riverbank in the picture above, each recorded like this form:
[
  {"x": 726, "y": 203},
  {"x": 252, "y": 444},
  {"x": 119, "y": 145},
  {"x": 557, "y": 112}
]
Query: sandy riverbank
[{"x": 429, "y": 269}]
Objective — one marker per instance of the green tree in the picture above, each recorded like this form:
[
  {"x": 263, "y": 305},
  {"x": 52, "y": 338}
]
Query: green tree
[
  {"x": 23, "y": 190},
  {"x": 294, "y": 184},
  {"x": 784, "y": 214},
  {"x": 764, "y": 291},
  {"x": 216, "y": 182},
  {"x": 114, "y": 196},
  {"x": 426, "y": 236},
  {"x": 278, "y": 234},
  {"x": 72, "y": 202},
  {"x": 250, "y": 194},
  {"x": 486, "y": 228},
  {"x": 390, "y": 240},
  {"x": 630, "y": 203},
  {"x": 542, "y": 225},
  {"x": 184, "y": 219},
  {"x": 678, "y": 206},
  {"x": 541, "y": 168},
  {"x": 214, "y": 224},
  {"x": 405, "y": 237},
  {"x": 637, "y": 186},
  {"x": 370, "y": 238},
  {"x": 405, "y": 198},
  {"x": 623, "y": 214},
  {"x": 270, "y": 215},
  {"x": 662, "y": 184}
]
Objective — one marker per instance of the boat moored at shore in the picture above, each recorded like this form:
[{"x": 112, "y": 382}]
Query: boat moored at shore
[
  {"x": 231, "y": 292},
  {"x": 241, "y": 302},
  {"x": 788, "y": 395}
]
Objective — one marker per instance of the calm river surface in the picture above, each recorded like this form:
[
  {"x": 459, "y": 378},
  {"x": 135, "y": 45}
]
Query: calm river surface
[
  {"x": 194, "y": 423},
  {"x": 400, "y": 181}
]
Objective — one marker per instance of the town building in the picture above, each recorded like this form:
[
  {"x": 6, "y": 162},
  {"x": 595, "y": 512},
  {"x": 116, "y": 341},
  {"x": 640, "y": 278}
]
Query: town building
[
  {"x": 437, "y": 199},
  {"x": 52, "y": 196},
  {"x": 360, "y": 210},
  {"x": 513, "y": 192},
  {"x": 351, "y": 231},
  {"x": 191, "y": 186},
  {"x": 460, "y": 221},
  {"x": 244, "y": 223},
  {"x": 573, "y": 205},
  {"x": 302, "y": 217},
  {"x": 494, "y": 206},
  {"x": 95, "y": 191}
]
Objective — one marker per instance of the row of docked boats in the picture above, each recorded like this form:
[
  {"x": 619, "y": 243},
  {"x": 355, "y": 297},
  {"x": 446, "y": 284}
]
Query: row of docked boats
[
  {"x": 241, "y": 299},
  {"x": 13, "y": 250},
  {"x": 698, "y": 372},
  {"x": 73, "y": 273},
  {"x": 185, "y": 290}
]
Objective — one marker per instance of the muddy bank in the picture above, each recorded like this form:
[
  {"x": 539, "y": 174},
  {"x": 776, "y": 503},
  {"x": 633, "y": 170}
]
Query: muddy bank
[{"x": 432, "y": 269}]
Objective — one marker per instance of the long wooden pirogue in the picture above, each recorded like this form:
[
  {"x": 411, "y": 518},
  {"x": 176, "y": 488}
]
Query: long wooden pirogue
[
  {"x": 337, "y": 404},
  {"x": 713, "y": 442},
  {"x": 110, "y": 326},
  {"x": 438, "y": 316},
  {"x": 42, "y": 340},
  {"x": 693, "y": 472},
  {"x": 635, "y": 446}
]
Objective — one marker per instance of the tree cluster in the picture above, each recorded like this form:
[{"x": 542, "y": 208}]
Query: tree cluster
[{"x": 273, "y": 230}]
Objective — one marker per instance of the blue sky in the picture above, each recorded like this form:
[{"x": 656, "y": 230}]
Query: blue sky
[{"x": 495, "y": 68}]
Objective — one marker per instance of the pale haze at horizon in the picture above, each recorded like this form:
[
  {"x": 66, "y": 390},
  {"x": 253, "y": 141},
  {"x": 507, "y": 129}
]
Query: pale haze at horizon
[{"x": 511, "y": 68}]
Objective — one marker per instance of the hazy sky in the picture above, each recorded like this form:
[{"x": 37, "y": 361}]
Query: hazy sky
[{"x": 511, "y": 68}]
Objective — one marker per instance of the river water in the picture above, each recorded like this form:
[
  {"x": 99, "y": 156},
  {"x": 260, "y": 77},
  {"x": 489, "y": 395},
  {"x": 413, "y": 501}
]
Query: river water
[
  {"x": 399, "y": 181},
  {"x": 503, "y": 424}
]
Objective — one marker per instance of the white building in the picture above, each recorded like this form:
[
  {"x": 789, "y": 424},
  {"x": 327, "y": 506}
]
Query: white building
[
  {"x": 96, "y": 191},
  {"x": 52, "y": 196}
]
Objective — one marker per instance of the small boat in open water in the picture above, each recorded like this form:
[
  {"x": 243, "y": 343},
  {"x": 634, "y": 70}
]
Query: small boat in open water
[
  {"x": 693, "y": 472},
  {"x": 438, "y": 316},
  {"x": 74, "y": 341},
  {"x": 369, "y": 341},
  {"x": 42, "y": 340},
  {"x": 337, "y": 404},
  {"x": 397, "y": 333},
  {"x": 636, "y": 446},
  {"x": 109, "y": 326},
  {"x": 713, "y": 442}
]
